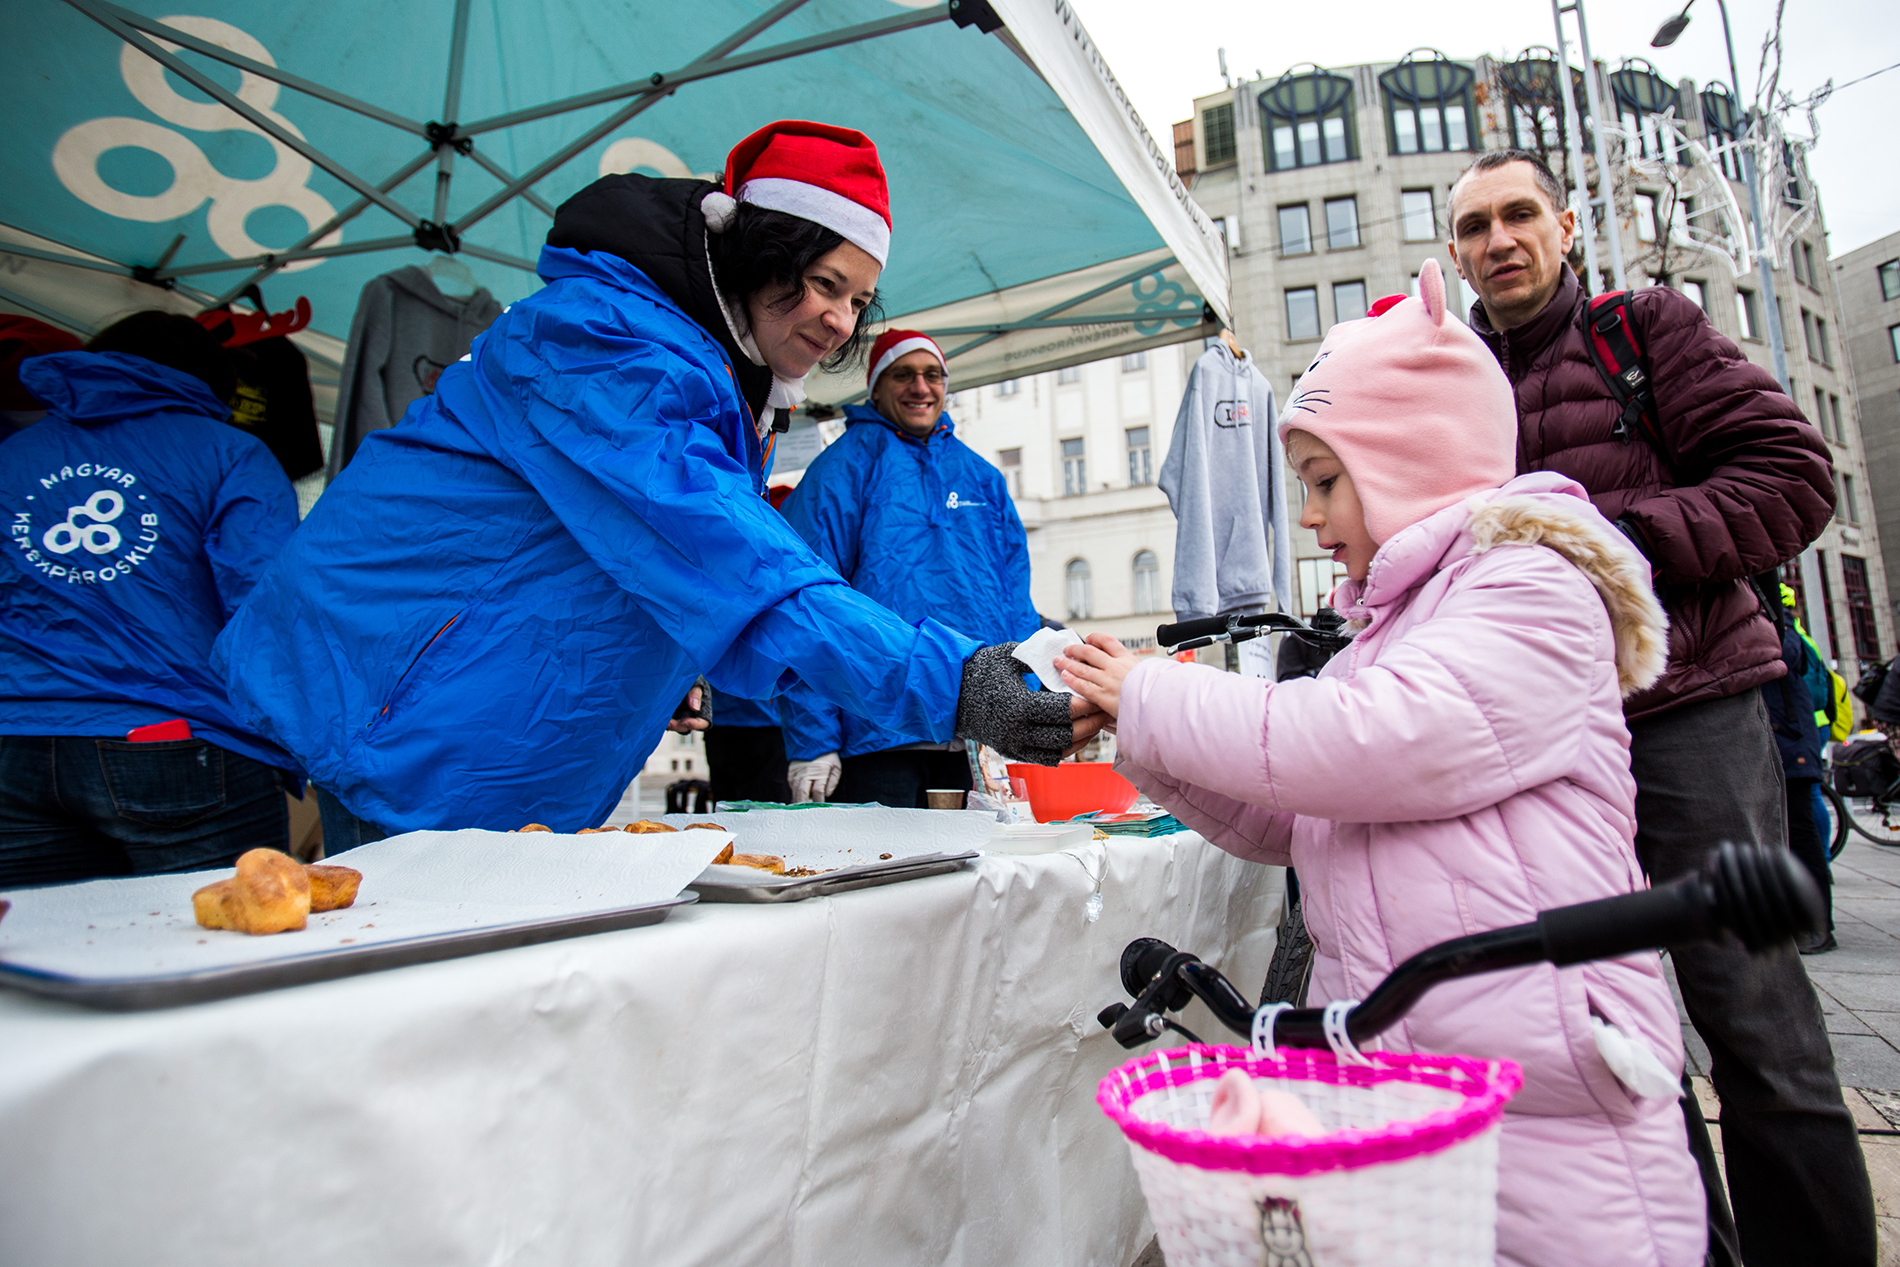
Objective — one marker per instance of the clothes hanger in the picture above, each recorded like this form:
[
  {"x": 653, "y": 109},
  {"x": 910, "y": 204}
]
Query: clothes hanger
[
  {"x": 450, "y": 276},
  {"x": 1233, "y": 344}
]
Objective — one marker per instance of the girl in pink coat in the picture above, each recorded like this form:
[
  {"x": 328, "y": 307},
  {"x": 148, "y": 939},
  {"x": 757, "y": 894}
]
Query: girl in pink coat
[{"x": 1461, "y": 766}]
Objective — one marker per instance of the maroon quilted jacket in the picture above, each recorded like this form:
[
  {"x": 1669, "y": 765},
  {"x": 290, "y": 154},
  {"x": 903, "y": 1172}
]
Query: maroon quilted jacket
[{"x": 1743, "y": 483}]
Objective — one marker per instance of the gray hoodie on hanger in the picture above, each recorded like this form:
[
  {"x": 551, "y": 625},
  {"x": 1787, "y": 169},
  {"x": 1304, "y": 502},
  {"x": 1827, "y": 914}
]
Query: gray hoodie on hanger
[
  {"x": 1225, "y": 477},
  {"x": 406, "y": 332}
]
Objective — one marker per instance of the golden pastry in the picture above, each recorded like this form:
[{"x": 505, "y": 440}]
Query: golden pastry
[
  {"x": 647, "y": 825},
  {"x": 759, "y": 861},
  {"x": 704, "y": 827},
  {"x": 533, "y": 827},
  {"x": 332, "y": 888},
  {"x": 269, "y": 894},
  {"x": 725, "y": 855},
  {"x": 591, "y": 831}
]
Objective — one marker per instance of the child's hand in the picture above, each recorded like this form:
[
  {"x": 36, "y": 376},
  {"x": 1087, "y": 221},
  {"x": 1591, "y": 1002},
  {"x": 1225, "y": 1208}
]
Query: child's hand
[{"x": 1095, "y": 671}]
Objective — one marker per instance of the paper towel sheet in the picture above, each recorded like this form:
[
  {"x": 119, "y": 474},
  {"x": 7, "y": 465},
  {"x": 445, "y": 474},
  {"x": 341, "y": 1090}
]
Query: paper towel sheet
[
  {"x": 415, "y": 885},
  {"x": 1038, "y": 651},
  {"x": 832, "y": 839}
]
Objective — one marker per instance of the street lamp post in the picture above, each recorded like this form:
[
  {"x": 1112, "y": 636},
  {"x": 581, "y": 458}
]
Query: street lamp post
[{"x": 1666, "y": 36}]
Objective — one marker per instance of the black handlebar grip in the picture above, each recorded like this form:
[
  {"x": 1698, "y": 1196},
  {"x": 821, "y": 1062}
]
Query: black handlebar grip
[
  {"x": 1762, "y": 895},
  {"x": 1206, "y": 627}
]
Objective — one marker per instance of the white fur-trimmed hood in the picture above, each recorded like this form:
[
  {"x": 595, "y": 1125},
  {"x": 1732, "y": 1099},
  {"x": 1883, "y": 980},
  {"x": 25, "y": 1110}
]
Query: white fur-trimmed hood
[{"x": 1619, "y": 573}]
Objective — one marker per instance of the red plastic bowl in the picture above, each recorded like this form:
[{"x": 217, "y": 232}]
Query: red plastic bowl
[{"x": 1074, "y": 787}]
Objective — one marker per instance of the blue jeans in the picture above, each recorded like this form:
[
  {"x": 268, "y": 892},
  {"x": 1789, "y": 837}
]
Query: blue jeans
[
  {"x": 341, "y": 829},
  {"x": 82, "y": 808}
]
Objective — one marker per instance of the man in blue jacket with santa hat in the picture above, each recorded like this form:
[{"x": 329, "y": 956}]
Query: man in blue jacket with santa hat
[
  {"x": 490, "y": 617},
  {"x": 914, "y": 518}
]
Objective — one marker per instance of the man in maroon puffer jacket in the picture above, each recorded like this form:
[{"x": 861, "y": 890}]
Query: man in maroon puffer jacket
[{"x": 1739, "y": 484}]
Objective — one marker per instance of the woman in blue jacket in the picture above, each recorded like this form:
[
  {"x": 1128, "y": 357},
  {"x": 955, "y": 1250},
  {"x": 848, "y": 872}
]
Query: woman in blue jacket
[
  {"x": 137, "y": 521},
  {"x": 491, "y": 615}
]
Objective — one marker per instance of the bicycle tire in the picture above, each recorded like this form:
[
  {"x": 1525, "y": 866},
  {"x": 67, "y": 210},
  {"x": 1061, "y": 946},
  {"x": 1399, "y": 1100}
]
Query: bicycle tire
[
  {"x": 1843, "y": 820},
  {"x": 1292, "y": 963},
  {"x": 1887, "y": 837}
]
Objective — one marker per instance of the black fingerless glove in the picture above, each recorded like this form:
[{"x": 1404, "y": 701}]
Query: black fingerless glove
[{"x": 995, "y": 708}]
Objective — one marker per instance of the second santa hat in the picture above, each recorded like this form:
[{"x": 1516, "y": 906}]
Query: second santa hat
[{"x": 817, "y": 172}]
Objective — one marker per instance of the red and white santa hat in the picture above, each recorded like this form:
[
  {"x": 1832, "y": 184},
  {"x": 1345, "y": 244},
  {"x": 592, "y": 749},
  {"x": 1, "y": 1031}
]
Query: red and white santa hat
[
  {"x": 828, "y": 175},
  {"x": 895, "y": 343}
]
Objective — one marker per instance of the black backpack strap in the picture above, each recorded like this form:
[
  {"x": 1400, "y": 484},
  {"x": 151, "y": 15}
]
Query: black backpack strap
[{"x": 1616, "y": 349}]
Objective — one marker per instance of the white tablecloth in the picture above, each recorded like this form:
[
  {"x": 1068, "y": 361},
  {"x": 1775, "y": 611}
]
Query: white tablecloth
[{"x": 897, "y": 1075}]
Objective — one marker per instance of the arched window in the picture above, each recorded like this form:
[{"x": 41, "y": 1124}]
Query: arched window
[
  {"x": 1641, "y": 94},
  {"x": 1081, "y": 600},
  {"x": 1308, "y": 120},
  {"x": 1147, "y": 582},
  {"x": 1722, "y": 122},
  {"x": 1428, "y": 105},
  {"x": 1535, "y": 111}
]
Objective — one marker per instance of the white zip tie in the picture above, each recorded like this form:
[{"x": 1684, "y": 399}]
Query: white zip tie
[
  {"x": 1333, "y": 1024},
  {"x": 1263, "y": 1047}
]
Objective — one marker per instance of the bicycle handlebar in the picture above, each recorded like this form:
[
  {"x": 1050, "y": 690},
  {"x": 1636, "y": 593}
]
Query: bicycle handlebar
[
  {"x": 1761, "y": 895},
  {"x": 1207, "y": 630}
]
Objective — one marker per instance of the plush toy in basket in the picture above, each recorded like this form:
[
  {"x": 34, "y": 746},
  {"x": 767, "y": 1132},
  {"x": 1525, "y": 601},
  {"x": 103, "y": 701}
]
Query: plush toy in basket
[{"x": 1406, "y": 1170}]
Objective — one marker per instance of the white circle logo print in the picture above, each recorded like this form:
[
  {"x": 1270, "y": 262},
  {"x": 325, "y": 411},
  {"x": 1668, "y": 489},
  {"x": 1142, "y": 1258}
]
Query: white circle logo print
[
  {"x": 98, "y": 535},
  {"x": 85, "y": 524},
  {"x": 194, "y": 180}
]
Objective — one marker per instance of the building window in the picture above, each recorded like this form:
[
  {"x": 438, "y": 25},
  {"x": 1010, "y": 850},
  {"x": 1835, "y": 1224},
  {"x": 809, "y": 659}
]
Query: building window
[
  {"x": 1081, "y": 600},
  {"x": 1427, "y": 106},
  {"x": 1217, "y": 133},
  {"x": 1342, "y": 223},
  {"x": 1308, "y": 121},
  {"x": 1141, "y": 458},
  {"x": 1824, "y": 346},
  {"x": 1697, "y": 291},
  {"x": 1008, "y": 387},
  {"x": 1069, "y": 374},
  {"x": 1296, "y": 230},
  {"x": 1184, "y": 148},
  {"x": 1646, "y": 217},
  {"x": 1890, "y": 280},
  {"x": 1848, "y": 511},
  {"x": 1075, "y": 469},
  {"x": 1893, "y": 342},
  {"x": 1317, "y": 578},
  {"x": 1417, "y": 215},
  {"x": 1134, "y": 361},
  {"x": 1010, "y": 462},
  {"x": 1147, "y": 583},
  {"x": 1349, "y": 301},
  {"x": 1860, "y": 607},
  {"x": 1535, "y": 110},
  {"x": 1748, "y": 315},
  {"x": 1820, "y": 410},
  {"x": 1302, "y": 313},
  {"x": 1834, "y": 408},
  {"x": 1220, "y": 227},
  {"x": 1642, "y": 96},
  {"x": 1723, "y": 124},
  {"x": 676, "y": 765},
  {"x": 1807, "y": 335}
]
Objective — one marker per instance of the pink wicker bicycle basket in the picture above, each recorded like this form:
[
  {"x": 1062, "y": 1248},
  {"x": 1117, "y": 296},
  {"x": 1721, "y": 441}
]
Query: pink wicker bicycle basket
[{"x": 1407, "y": 1172}]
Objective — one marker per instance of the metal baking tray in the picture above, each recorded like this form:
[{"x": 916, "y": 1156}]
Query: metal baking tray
[
  {"x": 719, "y": 884},
  {"x": 124, "y": 994}
]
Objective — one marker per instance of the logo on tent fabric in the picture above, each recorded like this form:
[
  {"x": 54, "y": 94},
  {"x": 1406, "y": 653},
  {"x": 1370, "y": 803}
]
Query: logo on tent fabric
[
  {"x": 1161, "y": 301},
  {"x": 194, "y": 180},
  {"x": 953, "y": 502},
  {"x": 85, "y": 537}
]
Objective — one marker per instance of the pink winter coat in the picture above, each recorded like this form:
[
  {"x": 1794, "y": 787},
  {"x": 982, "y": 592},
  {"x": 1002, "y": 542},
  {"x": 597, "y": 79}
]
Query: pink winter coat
[{"x": 1462, "y": 766}]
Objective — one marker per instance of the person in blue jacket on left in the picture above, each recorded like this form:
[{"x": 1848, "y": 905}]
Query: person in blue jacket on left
[
  {"x": 912, "y": 517},
  {"x": 490, "y": 617},
  {"x": 137, "y": 520}
]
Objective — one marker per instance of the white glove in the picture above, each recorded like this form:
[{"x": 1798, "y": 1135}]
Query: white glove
[{"x": 814, "y": 780}]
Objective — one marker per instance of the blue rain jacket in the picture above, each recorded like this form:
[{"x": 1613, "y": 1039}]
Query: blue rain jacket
[
  {"x": 487, "y": 620},
  {"x": 138, "y": 521},
  {"x": 926, "y": 528},
  {"x": 736, "y": 710}
]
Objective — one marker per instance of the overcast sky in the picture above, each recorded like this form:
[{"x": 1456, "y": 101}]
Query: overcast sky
[{"x": 1164, "y": 55}]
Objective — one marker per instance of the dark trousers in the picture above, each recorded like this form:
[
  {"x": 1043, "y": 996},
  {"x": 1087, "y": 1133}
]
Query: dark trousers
[
  {"x": 343, "y": 830},
  {"x": 747, "y": 763},
  {"x": 1804, "y": 838},
  {"x": 901, "y": 777},
  {"x": 83, "y": 808},
  {"x": 1705, "y": 773}
]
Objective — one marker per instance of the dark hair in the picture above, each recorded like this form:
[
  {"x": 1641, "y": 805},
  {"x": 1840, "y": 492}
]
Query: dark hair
[
  {"x": 765, "y": 250},
  {"x": 1547, "y": 182},
  {"x": 173, "y": 340}
]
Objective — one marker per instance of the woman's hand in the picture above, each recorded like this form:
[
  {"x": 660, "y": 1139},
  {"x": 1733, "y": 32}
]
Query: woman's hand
[{"x": 1095, "y": 671}]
